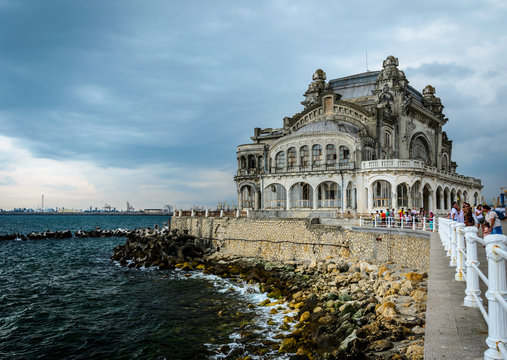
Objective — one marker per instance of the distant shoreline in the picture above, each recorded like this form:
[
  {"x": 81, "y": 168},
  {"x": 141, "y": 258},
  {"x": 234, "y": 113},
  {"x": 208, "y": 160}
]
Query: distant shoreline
[{"x": 135, "y": 213}]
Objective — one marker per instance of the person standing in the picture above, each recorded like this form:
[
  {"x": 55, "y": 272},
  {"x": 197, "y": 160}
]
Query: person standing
[
  {"x": 468, "y": 215},
  {"x": 493, "y": 220},
  {"x": 454, "y": 212},
  {"x": 479, "y": 215}
]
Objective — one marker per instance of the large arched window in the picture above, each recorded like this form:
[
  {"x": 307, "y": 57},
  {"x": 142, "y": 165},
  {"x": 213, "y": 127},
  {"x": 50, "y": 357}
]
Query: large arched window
[
  {"x": 301, "y": 195},
  {"x": 420, "y": 150},
  {"x": 291, "y": 157},
  {"x": 402, "y": 195},
  {"x": 275, "y": 197},
  {"x": 416, "y": 195},
  {"x": 280, "y": 160},
  {"x": 247, "y": 197},
  {"x": 344, "y": 154},
  {"x": 328, "y": 195},
  {"x": 330, "y": 154},
  {"x": 316, "y": 154},
  {"x": 381, "y": 194},
  {"x": 304, "y": 156}
]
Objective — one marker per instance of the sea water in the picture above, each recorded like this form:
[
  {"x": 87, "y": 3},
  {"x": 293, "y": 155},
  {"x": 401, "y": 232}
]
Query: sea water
[{"x": 65, "y": 299}]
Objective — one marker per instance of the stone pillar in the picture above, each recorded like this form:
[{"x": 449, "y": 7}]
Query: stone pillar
[
  {"x": 370, "y": 200},
  {"x": 287, "y": 204}
]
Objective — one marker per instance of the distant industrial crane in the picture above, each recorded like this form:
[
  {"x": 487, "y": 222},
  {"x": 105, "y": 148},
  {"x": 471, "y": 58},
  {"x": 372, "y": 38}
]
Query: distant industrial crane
[
  {"x": 129, "y": 207},
  {"x": 107, "y": 207}
]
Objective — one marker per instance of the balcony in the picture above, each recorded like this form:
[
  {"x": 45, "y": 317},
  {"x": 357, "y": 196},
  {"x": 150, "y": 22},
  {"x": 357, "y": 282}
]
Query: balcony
[
  {"x": 416, "y": 165},
  {"x": 392, "y": 164},
  {"x": 313, "y": 168}
]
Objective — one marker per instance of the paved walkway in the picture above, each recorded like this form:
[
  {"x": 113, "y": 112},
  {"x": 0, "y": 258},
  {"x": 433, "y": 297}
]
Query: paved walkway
[{"x": 453, "y": 331}]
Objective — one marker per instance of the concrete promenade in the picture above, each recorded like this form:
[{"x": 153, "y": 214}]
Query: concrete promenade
[{"x": 453, "y": 331}]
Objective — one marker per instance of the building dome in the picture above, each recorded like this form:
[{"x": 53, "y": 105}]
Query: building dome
[{"x": 328, "y": 126}]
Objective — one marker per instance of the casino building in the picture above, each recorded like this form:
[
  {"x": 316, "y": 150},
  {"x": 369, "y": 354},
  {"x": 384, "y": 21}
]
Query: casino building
[{"x": 362, "y": 143}]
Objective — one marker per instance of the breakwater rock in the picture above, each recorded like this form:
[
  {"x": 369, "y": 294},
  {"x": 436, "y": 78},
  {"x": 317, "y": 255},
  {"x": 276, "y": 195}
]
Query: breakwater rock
[
  {"x": 334, "y": 309},
  {"x": 146, "y": 248},
  {"x": 344, "y": 309},
  {"x": 67, "y": 234}
]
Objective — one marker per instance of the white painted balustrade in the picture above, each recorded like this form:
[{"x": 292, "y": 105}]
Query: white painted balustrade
[
  {"x": 464, "y": 257},
  {"x": 415, "y": 224}
]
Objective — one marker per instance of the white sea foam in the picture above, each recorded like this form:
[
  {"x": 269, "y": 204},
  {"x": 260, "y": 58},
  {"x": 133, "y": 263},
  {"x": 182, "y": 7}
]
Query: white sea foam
[{"x": 251, "y": 294}]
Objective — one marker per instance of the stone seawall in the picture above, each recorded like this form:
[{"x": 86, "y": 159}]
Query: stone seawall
[{"x": 299, "y": 239}]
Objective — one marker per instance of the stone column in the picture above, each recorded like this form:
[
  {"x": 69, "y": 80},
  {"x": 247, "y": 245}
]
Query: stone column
[{"x": 287, "y": 202}]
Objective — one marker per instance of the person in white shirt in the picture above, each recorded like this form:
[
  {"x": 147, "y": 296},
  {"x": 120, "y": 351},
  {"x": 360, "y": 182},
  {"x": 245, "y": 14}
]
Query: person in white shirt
[
  {"x": 479, "y": 215},
  {"x": 493, "y": 220},
  {"x": 454, "y": 211}
]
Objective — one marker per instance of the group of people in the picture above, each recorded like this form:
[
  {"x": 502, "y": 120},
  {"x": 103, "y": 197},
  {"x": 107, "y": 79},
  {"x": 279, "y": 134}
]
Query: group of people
[
  {"x": 482, "y": 216},
  {"x": 406, "y": 216}
]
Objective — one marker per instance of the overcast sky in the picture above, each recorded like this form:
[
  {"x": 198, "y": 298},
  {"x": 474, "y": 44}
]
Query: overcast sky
[{"x": 146, "y": 101}]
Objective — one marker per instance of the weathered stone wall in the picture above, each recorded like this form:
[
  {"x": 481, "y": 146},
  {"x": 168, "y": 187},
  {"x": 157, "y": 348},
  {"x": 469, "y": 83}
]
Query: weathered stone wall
[{"x": 298, "y": 239}]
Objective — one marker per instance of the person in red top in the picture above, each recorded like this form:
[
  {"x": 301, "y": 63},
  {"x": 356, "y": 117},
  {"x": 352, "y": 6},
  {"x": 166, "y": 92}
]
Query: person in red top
[{"x": 382, "y": 217}]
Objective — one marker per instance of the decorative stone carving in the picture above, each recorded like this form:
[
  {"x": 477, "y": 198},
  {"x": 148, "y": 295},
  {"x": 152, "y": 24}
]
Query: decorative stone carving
[
  {"x": 386, "y": 101},
  {"x": 431, "y": 102},
  {"x": 390, "y": 75},
  {"x": 315, "y": 88},
  {"x": 407, "y": 100}
]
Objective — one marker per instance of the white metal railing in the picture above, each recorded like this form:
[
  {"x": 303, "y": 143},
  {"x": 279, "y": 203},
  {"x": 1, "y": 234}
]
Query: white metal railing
[
  {"x": 423, "y": 224},
  {"x": 453, "y": 236}
]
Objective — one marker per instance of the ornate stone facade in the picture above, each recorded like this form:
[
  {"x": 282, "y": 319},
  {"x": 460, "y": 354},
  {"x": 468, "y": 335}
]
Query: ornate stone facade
[{"x": 362, "y": 143}]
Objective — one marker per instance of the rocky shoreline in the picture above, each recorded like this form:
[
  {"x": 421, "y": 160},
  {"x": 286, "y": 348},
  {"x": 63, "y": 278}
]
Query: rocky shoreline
[{"x": 335, "y": 308}]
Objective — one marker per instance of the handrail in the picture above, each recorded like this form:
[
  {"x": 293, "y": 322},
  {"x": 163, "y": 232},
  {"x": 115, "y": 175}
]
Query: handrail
[
  {"x": 423, "y": 224},
  {"x": 452, "y": 235}
]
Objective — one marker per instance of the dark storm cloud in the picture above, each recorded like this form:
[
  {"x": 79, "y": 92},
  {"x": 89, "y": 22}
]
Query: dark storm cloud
[{"x": 181, "y": 84}]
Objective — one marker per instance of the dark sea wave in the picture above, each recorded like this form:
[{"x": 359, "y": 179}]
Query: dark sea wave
[{"x": 65, "y": 299}]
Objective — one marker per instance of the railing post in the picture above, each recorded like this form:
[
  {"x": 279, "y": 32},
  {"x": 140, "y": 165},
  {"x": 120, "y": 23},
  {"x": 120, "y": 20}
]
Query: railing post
[
  {"x": 206, "y": 213},
  {"x": 180, "y": 213},
  {"x": 221, "y": 213},
  {"x": 424, "y": 223},
  {"x": 192, "y": 213},
  {"x": 360, "y": 221},
  {"x": 497, "y": 324},
  {"x": 471, "y": 276},
  {"x": 401, "y": 222},
  {"x": 453, "y": 244},
  {"x": 460, "y": 245},
  {"x": 237, "y": 213},
  {"x": 413, "y": 223},
  {"x": 375, "y": 221}
]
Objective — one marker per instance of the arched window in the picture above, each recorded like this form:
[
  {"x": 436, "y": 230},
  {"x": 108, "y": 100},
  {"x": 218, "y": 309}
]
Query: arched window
[
  {"x": 328, "y": 195},
  {"x": 330, "y": 154},
  {"x": 291, "y": 157},
  {"x": 416, "y": 195},
  {"x": 387, "y": 139},
  {"x": 301, "y": 196},
  {"x": 344, "y": 154},
  {"x": 242, "y": 162},
  {"x": 280, "y": 160},
  {"x": 445, "y": 163},
  {"x": 275, "y": 197},
  {"x": 304, "y": 156},
  {"x": 251, "y": 162},
  {"x": 402, "y": 195},
  {"x": 316, "y": 154},
  {"x": 247, "y": 197},
  {"x": 420, "y": 150},
  {"x": 381, "y": 194}
]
